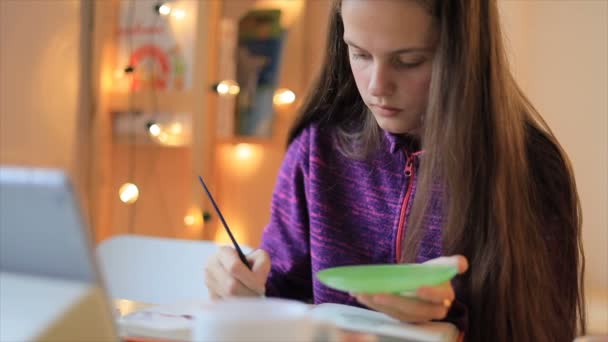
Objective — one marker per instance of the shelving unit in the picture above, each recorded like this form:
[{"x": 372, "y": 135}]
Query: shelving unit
[
  {"x": 170, "y": 191},
  {"x": 169, "y": 187}
]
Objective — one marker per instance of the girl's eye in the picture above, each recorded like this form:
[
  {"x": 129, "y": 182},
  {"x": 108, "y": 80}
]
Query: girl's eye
[
  {"x": 407, "y": 64},
  {"x": 356, "y": 55}
]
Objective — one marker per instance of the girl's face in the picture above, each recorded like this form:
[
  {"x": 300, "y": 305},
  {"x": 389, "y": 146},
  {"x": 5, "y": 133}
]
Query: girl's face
[{"x": 391, "y": 47}]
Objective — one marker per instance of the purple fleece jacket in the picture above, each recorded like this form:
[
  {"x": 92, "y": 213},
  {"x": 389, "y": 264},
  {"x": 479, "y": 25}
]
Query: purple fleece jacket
[{"x": 329, "y": 210}]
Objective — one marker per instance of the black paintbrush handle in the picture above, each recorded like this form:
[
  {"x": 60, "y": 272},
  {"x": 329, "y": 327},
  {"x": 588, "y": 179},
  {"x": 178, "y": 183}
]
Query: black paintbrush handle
[{"x": 219, "y": 213}]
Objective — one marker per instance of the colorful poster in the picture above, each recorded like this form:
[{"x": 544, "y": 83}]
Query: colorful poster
[
  {"x": 158, "y": 43},
  {"x": 258, "y": 55}
]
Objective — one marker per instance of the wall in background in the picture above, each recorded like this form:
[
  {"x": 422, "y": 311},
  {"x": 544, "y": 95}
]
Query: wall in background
[
  {"x": 560, "y": 56},
  {"x": 559, "y": 52},
  {"x": 41, "y": 89}
]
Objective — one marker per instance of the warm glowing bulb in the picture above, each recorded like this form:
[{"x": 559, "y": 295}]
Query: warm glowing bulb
[
  {"x": 176, "y": 128},
  {"x": 234, "y": 89},
  {"x": 222, "y": 89},
  {"x": 163, "y": 137},
  {"x": 189, "y": 220},
  {"x": 283, "y": 96},
  {"x": 178, "y": 13},
  {"x": 129, "y": 193},
  {"x": 193, "y": 217},
  {"x": 228, "y": 87},
  {"x": 243, "y": 151},
  {"x": 164, "y": 9},
  {"x": 119, "y": 74},
  {"x": 154, "y": 130}
]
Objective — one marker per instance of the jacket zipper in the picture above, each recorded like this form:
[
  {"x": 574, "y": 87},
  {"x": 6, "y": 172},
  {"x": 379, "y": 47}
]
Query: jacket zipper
[{"x": 410, "y": 174}]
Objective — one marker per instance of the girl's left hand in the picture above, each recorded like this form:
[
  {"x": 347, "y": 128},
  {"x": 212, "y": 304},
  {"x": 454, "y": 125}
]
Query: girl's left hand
[{"x": 429, "y": 302}]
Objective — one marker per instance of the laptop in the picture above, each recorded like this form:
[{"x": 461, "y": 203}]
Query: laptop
[{"x": 44, "y": 240}]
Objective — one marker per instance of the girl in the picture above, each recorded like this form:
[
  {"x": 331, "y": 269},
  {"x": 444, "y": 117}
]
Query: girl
[{"x": 417, "y": 143}]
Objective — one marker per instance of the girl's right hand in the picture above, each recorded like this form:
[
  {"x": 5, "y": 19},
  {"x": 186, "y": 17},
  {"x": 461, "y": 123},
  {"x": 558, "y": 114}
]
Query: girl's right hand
[{"x": 227, "y": 276}]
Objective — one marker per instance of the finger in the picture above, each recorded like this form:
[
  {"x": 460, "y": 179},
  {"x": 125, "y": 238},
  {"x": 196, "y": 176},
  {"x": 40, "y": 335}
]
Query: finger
[
  {"x": 210, "y": 280},
  {"x": 233, "y": 266},
  {"x": 351, "y": 336},
  {"x": 223, "y": 283},
  {"x": 214, "y": 275},
  {"x": 440, "y": 294},
  {"x": 460, "y": 262},
  {"x": 232, "y": 287},
  {"x": 463, "y": 264},
  {"x": 391, "y": 311},
  {"x": 368, "y": 301},
  {"x": 412, "y": 306},
  {"x": 210, "y": 277},
  {"x": 406, "y": 309},
  {"x": 259, "y": 260},
  {"x": 400, "y": 316},
  {"x": 260, "y": 266}
]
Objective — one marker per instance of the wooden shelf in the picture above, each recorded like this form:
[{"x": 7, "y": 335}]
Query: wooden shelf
[
  {"x": 174, "y": 101},
  {"x": 246, "y": 140}
]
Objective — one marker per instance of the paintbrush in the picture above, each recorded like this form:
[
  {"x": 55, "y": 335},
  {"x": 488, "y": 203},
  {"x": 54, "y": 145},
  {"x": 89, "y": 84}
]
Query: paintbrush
[{"x": 219, "y": 213}]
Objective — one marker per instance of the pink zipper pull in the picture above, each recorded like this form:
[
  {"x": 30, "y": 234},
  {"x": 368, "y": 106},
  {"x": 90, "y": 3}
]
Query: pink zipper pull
[{"x": 409, "y": 166}]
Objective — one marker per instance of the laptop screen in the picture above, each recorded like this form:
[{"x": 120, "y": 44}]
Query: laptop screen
[
  {"x": 42, "y": 232},
  {"x": 45, "y": 246}
]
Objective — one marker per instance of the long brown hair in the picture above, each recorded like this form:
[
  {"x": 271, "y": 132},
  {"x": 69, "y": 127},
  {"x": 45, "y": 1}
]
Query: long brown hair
[{"x": 511, "y": 204}]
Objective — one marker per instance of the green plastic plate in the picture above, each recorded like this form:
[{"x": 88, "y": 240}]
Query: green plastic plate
[{"x": 389, "y": 278}]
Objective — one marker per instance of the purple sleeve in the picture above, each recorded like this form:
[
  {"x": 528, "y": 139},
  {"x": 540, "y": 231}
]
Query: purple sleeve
[{"x": 286, "y": 237}]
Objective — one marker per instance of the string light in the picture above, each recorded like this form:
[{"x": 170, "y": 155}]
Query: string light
[
  {"x": 154, "y": 129},
  {"x": 227, "y": 87},
  {"x": 128, "y": 193},
  {"x": 189, "y": 220},
  {"x": 176, "y": 128},
  {"x": 163, "y": 9},
  {"x": 163, "y": 137},
  {"x": 170, "y": 129},
  {"x": 206, "y": 216},
  {"x": 178, "y": 13},
  {"x": 243, "y": 151},
  {"x": 193, "y": 217},
  {"x": 119, "y": 74},
  {"x": 283, "y": 96}
]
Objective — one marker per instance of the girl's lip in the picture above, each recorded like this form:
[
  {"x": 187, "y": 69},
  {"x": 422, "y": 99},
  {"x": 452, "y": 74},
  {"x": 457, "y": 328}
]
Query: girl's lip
[{"x": 386, "y": 110}]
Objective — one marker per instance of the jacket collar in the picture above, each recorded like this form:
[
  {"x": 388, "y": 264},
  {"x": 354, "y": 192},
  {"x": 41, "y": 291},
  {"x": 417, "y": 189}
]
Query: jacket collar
[{"x": 399, "y": 142}]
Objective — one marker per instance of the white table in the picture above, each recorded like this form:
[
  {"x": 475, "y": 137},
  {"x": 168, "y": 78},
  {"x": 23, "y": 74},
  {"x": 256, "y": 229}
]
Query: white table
[{"x": 36, "y": 308}]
